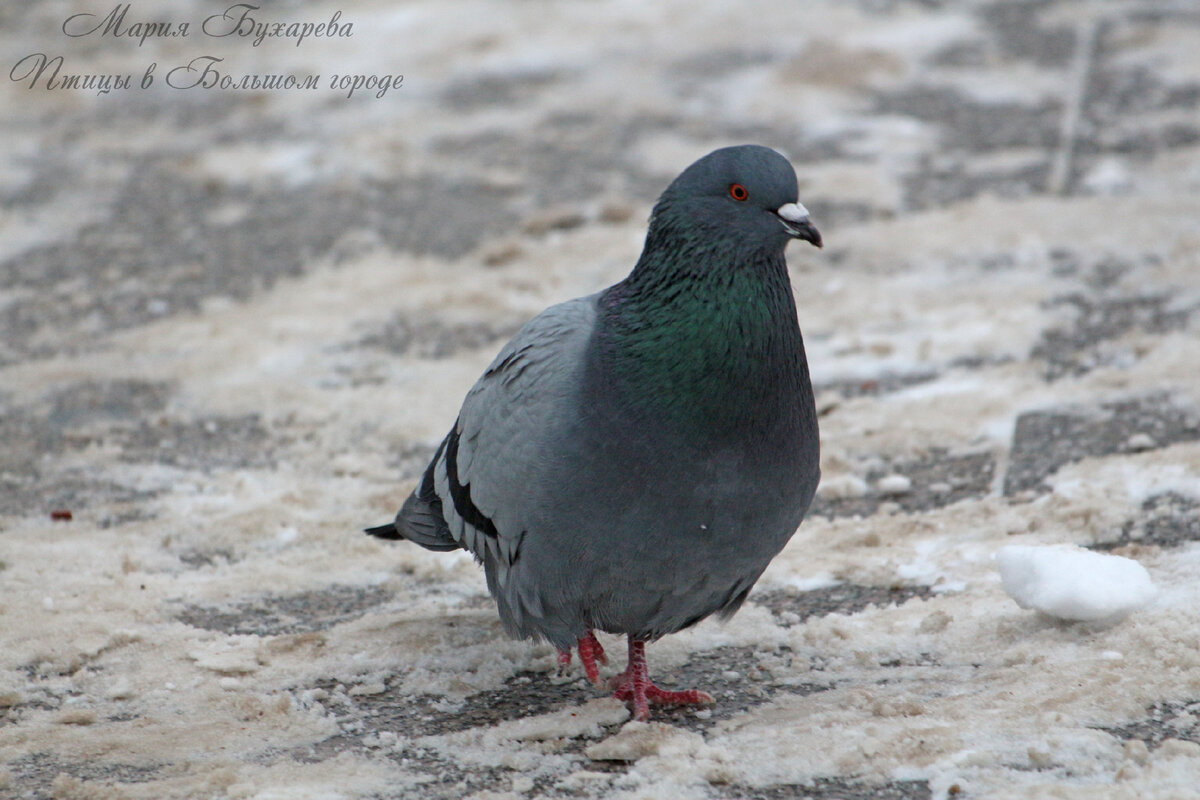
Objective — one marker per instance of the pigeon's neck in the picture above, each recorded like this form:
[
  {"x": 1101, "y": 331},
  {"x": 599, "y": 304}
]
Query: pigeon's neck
[{"x": 712, "y": 347}]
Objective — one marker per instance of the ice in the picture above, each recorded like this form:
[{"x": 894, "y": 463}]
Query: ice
[{"x": 1074, "y": 584}]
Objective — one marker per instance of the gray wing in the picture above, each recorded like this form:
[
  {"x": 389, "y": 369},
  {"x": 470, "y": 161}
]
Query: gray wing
[{"x": 487, "y": 467}]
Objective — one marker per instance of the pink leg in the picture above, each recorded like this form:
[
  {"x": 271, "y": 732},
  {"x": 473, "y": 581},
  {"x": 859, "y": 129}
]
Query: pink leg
[
  {"x": 590, "y": 651},
  {"x": 634, "y": 684}
]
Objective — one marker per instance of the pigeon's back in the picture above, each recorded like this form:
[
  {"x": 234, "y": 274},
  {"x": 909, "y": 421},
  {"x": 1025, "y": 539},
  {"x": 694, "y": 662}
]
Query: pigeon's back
[{"x": 490, "y": 483}]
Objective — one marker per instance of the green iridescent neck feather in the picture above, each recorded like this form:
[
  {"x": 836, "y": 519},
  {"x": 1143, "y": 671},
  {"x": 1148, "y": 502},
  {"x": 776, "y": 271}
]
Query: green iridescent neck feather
[{"x": 708, "y": 347}]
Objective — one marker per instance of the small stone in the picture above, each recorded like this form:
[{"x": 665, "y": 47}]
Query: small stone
[
  {"x": 615, "y": 213},
  {"x": 76, "y": 716},
  {"x": 121, "y": 689},
  {"x": 1139, "y": 442},
  {"x": 894, "y": 484},
  {"x": 501, "y": 253},
  {"x": 838, "y": 487},
  {"x": 554, "y": 219},
  {"x": 1040, "y": 759},
  {"x": 367, "y": 689},
  {"x": 936, "y": 622}
]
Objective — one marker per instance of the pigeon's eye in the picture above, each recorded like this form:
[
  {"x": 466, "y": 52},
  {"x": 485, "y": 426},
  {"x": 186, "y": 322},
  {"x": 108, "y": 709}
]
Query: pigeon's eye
[{"x": 739, "y": 193}]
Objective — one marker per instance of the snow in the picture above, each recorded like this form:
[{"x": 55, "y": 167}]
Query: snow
[
  {"x": 181, "y": 267},
  {"x": 1074, "y": 584},
  {"x": 894, "y": 484}
]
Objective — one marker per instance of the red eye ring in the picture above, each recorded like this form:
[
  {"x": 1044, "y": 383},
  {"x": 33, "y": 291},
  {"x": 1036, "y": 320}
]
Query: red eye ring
[{"x": 739, "y": 192}]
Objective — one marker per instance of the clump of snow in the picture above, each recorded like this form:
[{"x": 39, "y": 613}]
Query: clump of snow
[
  {"x": 1141, "y": 441},
  {"x": 1071, "y": 583},
  {"x": 894, "y": 484},
  {"x": 637, "y": 740},
  {"x": 102, "y": 671},
  {"x": 582, "y": 721},
  {"x": 842, "y": 486},
  {"x": 1109, "y": 176}
]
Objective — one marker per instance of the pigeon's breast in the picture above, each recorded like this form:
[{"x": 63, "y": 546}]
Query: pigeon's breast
[
  {"x": 646, "y": 534},
  {"x": 654, "y": 488}
]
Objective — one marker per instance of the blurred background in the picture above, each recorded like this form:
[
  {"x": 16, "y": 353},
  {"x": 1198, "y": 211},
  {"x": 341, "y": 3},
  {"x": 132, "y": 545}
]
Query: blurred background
[
  {"x": 235, "y": 320},
  {"x": 550, "y": 114}
]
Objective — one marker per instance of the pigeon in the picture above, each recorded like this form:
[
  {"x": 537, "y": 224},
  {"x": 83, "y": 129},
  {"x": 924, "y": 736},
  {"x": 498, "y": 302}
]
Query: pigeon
[{"x": 632, "y": 460}]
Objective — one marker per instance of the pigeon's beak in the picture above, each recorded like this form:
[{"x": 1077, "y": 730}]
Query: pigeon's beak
[{"x": 798, "y": 223}]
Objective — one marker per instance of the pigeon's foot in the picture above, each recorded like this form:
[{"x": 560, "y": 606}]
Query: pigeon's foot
[
  {"x": 590, "y": 651},
  {"x": 634, "y": 684}
]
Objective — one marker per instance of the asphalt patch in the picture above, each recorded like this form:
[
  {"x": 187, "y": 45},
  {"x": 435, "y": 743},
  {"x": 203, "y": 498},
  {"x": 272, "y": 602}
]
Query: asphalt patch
[
  {"x": 206, "y": 445},
  {"x": 274, "y": 615},
  {"x": 1164, "y": 720},
  {"x": 738, "y": 678},
  {"x": 936, "y": 479},
  {"x": 165, "y": 251},
  {"x": 831, "y": 789},
  {"x": 792, "y": 607},
  {"x": 432, "y": 338},
  {"x": 1044, "y": 441},
  {"x": 37, "y": 776},
  {"x": 1167, "y": 520},
  {"x": 968, "y": 125},
  {"x": 1082, "y": 345}
]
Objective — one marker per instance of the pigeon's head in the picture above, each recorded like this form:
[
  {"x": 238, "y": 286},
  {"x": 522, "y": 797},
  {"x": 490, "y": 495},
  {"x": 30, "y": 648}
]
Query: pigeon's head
[{"x": 745, "y": 191}]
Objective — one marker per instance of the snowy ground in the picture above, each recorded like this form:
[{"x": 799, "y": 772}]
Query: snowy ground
[{"x": 235, "y": 323}]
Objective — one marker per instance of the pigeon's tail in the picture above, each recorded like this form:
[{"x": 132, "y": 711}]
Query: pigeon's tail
[
  {"x": 419, "y": 523},
  {"x": 388, "y": 531},
  {"x": 420, "y": 519}
]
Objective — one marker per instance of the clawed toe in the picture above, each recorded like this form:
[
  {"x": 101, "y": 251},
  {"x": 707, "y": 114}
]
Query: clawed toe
[
  {"x": 634, "y": 685},
  {"x": 687, "y": 697}
]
